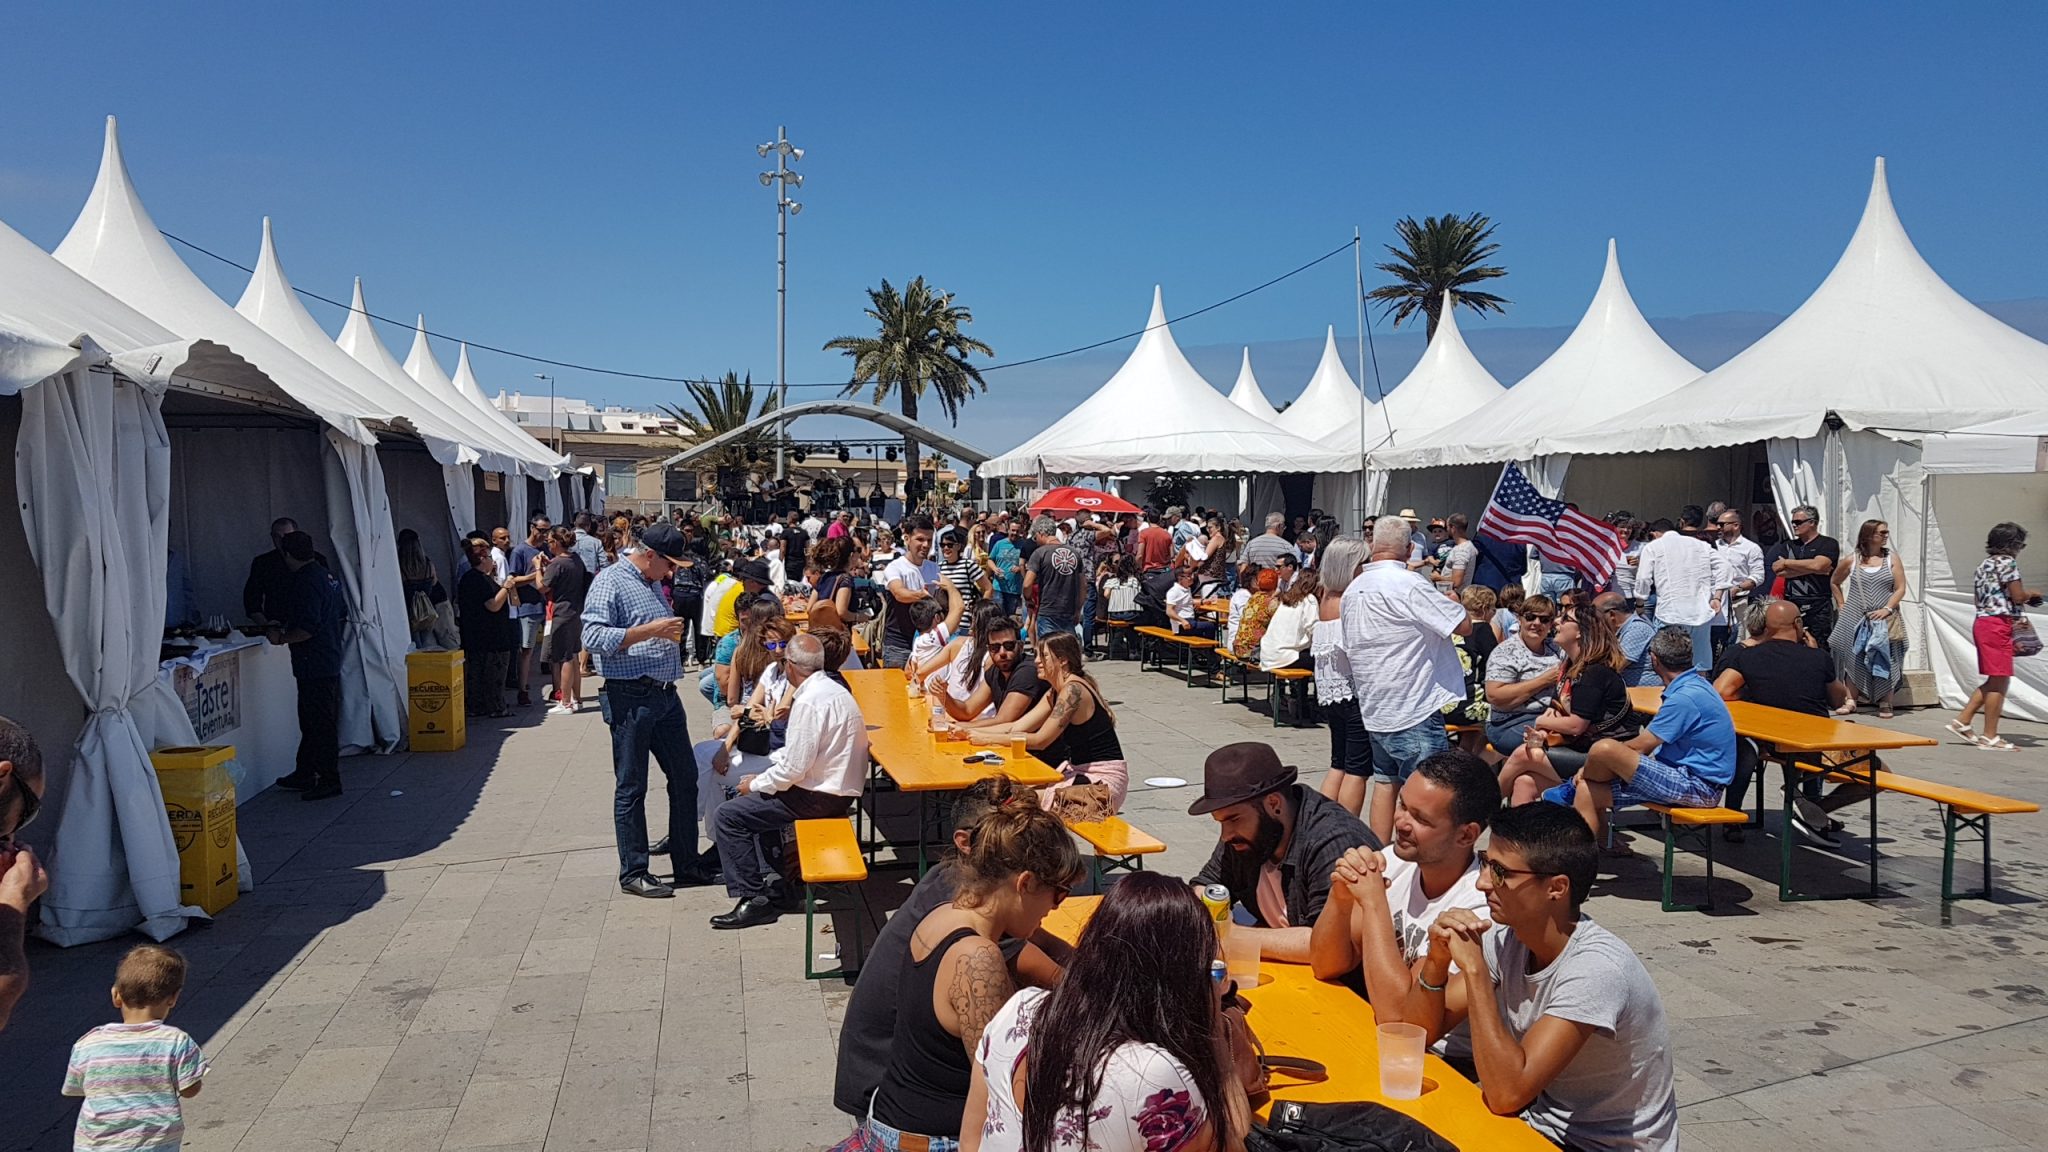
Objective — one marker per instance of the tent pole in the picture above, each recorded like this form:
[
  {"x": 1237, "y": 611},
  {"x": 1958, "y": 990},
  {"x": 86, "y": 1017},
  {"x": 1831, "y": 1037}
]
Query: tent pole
[
  {"x": 1358, "y": 267},
  {"x": 1920, "y": 580}
]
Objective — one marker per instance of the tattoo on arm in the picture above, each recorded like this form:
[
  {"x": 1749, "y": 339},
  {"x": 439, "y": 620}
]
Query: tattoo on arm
[
  {"x": 981, "y": 986},
  {"x": 1069, "y": 701}
]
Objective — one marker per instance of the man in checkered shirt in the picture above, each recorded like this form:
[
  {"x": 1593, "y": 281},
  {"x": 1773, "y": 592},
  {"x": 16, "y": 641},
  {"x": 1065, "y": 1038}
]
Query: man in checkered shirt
[{"x": 635, "y": 638}]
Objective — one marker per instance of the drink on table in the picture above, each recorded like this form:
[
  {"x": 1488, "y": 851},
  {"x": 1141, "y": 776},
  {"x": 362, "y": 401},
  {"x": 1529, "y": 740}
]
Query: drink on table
[{"x": 1401, "y": 1048}]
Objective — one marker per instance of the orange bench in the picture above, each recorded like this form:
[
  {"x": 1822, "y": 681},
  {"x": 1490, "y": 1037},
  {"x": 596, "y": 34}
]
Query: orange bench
[
  {"x": 1962, "y": 809},
  {"x": 1188, "y": 645},
  {"x": 1698, "y": 823},
  {"x": 828, "y": 855},
  {"x": 1117, "y": 844}
]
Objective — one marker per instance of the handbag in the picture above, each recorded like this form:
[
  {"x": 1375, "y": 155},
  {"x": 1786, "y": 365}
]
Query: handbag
[
  {"x": 2025, "y": 641},
  {"x": 1351, "y": 1126}
]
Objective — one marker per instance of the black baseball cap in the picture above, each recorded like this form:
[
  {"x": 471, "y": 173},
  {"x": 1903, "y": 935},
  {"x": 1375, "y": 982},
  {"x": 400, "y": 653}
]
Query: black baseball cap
[{"x": 663, "y": 537}]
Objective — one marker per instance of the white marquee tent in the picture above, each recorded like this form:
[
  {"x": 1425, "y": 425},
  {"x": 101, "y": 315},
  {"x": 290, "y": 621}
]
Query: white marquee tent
[
  {"x": 1247, "y": 394},
  {"x": 1447, "y": 385},
  {"x": 1333, "y": 411},
  {"x": 1842, "y": 395},
  {"x": 115, "y": 244},
  {"x": 91, "y": 478},
  {"x": 1157, "y": 415},
  {"x": 1612, "y": 361}
]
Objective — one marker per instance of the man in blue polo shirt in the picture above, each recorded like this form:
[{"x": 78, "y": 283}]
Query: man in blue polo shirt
[{"x": 1686, "y": 756}]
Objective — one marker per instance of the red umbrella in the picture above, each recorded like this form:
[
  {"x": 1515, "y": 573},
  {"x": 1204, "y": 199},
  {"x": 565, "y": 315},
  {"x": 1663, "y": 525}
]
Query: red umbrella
[{"x": 1075, "y": 500}]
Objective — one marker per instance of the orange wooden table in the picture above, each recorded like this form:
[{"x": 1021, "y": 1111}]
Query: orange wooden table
[
  {"x": 900, "y": 742},
  {"x": 1802, "y": 739},
  {"x": 1296, "y": 1014}
]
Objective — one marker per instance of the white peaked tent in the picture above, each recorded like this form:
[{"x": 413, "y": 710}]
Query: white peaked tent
[
  {"x": 1612, "y": 362},
  {"x": 1447, "y": 385},
  {"x": 513, "y": 486},
  {"x": 1157, "y": 414},
  {"x": 1330, "y": 411},
  {"x": 2015, "y": 445},
  {"x": 1247, "y": 394},
  {"x": 91, "y": 478},
  {"x": 116, "y": 245},
  {"x": 1883, "y": 356},
  {"x": 457, "y": 480}
]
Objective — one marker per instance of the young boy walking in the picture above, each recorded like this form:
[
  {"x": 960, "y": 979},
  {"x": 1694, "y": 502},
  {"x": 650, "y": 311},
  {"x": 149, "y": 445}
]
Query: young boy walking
[{"x": 133, "y": 1074}]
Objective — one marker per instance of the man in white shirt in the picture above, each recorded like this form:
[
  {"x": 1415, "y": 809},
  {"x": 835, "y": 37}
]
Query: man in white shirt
[
  {"x": 1180, "y": 604},
  {"x": 905, "y": 581},
  {"x": 1688, "y": 581},
  {"x": 818, "y": 773},
  {"x": 1744, "y": 560},
  {"x": 1397, "y": 631},
  {"x": 1382, "y": 904}
]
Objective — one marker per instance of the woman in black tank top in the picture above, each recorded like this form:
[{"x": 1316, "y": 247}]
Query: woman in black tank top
[{"x": 1019, "y": 864}]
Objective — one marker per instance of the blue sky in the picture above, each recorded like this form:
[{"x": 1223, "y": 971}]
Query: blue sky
[{"x": 579, "y": 181}]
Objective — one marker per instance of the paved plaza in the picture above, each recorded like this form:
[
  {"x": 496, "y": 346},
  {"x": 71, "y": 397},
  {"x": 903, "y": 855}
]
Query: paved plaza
[{"x": 442, "y": 960}]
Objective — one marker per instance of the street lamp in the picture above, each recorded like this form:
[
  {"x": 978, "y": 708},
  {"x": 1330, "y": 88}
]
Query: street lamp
[
  {"x": 554, "y": 434},
  {"x": 785, "y": 154}
]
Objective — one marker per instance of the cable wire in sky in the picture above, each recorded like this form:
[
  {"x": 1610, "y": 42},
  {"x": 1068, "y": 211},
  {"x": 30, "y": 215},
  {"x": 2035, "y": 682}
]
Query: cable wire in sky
[{"x": 698, "y": 380}]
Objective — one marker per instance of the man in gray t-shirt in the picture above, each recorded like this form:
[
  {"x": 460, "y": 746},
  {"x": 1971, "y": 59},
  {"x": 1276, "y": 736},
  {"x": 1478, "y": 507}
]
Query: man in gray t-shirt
[{"x": 1567, "y": 1027}]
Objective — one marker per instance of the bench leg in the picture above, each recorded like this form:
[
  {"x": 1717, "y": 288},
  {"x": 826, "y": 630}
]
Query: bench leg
[
  {"x": 1671, "y": 834},
  {"x": 1952, "y": 823},
  {"x": 811, "y": 972}
]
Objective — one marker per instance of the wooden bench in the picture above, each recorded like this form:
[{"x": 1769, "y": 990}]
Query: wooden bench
[
  {"x": 1697, "y": 824},
  {"x": 1963, "y": 810},
  {"x": 1118, "y": 643},
  {"x": 1117, "y": 844},
  {"x": 1188, "y": 645},
  {"x": 1279, "y": 689},
  {"x": 828, "y": 855}
]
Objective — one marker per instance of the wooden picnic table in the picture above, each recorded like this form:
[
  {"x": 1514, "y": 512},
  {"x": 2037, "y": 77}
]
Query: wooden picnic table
[
  {"x": 1805, "y": 740},
  {"x": 1214, "y": 607},
  {"x": 1296, "y": 1014},
  {"x": 901, "y": 744}
]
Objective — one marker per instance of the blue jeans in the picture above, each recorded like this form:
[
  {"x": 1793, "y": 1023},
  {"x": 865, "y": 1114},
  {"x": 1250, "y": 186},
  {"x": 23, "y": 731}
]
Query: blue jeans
[
  {"x": 1702, "y": 643},
  {"x": 1556, "y": 584},
  {"x": 645, "y": 717},
  {"x": 1395, "y": 754},
  {"x": 1047, "y": 625}
]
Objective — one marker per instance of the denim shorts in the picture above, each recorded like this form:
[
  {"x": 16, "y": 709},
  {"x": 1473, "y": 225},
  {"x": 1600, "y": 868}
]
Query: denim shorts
[{"x": 1395, "y": 754}]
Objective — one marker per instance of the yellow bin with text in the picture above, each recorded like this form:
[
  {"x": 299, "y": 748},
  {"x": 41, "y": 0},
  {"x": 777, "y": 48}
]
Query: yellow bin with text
[
  {"x": 436, "y": 719},
  {"x": 199, "y": 798}
]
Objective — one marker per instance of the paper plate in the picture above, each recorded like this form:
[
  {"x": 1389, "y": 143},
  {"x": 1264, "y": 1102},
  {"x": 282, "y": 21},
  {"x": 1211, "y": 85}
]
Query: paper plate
[{"x": 1165, "y": 782}]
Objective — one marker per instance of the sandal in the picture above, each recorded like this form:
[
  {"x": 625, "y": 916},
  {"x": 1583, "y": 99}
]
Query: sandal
[
  {"x": 1962, "y": 729},
  {"x": 1884, "y": 713},
  {"x": 1997, "y": 744}
]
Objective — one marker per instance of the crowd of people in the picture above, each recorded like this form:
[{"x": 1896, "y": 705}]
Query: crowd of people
[{"x": 1460, "y": 706}]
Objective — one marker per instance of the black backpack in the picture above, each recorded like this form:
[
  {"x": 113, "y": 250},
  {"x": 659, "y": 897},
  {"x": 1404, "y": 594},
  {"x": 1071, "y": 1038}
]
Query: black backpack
[{"x": 1355, "y": 1126}]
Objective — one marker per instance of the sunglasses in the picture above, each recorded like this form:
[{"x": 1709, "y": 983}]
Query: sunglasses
[
  {"x": 1002, "y": 645},
  {"x": 773, "y": 645},
  {"x": 1501, "y": 872},
  {"x": 1534, "y": 619},
  {"x": 30, "y": 805},
  {"x": 1797, "y": 523}
]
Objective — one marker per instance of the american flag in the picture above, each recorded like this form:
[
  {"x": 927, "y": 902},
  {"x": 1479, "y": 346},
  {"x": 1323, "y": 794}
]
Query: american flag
[{"x": 1521, "y": 515}]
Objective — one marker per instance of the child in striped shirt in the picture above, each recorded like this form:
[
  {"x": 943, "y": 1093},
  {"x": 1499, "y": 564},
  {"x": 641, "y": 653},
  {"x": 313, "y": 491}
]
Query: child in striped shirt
[{"x": 133, "y": 1074}]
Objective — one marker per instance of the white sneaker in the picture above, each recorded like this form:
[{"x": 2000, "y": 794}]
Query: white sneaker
[
  {"x": 561, "y": 710},
  {"x": 1811, "y": 821}
]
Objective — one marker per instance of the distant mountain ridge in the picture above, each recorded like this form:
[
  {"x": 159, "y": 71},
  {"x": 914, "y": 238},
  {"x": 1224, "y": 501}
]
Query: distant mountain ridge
[{"x": 1021, "y": 401}]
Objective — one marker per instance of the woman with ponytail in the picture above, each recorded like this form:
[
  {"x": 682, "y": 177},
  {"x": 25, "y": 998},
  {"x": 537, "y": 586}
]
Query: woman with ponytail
[
  {"x": 1129, "y": 1053},
  {"x": 1018, "y": 864}
]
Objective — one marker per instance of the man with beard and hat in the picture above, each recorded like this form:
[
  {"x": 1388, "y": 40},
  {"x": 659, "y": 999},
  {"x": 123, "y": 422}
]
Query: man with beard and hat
[{"x": 1280, "y": 844}]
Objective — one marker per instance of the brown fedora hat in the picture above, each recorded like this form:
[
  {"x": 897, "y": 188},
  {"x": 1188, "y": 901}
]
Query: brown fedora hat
[{"x": 1236, "y": 773}]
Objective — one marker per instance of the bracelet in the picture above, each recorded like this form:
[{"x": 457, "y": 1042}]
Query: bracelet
[{"x": 1427, "y": 986}]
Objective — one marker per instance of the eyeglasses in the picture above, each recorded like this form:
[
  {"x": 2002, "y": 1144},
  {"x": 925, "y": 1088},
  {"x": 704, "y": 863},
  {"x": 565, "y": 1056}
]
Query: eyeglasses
[
  {"x": 30, "y": 805},
  {"x": 1501, "y": 872}
]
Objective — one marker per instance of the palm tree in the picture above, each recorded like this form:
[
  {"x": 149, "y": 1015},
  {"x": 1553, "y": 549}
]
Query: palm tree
[
  {"x": 1441, "y": 254},
  {"x": 720, "y": 408},
  {"x": 917, "y": 344}
]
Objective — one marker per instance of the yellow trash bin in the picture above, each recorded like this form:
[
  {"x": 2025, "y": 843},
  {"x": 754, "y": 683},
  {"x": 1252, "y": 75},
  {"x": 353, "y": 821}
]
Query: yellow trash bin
[
  {"x": 437, "y": 720},
  {"x": 199, "y": 797}
]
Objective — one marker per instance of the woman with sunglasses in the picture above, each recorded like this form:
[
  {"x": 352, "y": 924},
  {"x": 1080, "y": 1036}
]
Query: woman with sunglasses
[
  {"x": 1868, "y": 586},
  {"x": 1020, "y": 862},
  {"x": 1128, "y": 1052},
  {"x": 1591, "y": 703},
  {"x": 1521, "y": 676}
]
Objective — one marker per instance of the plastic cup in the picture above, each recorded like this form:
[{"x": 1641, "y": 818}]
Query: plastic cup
[
  {"x": 1401, "y": 1048},
  {"x": 1018, "y": 750},
  {"x": 1241, "y": 957}
]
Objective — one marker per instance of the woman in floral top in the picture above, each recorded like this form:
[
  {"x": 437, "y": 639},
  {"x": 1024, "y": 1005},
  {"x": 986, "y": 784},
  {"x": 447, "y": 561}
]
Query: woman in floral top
[
  {"x": 2000, "y": 599},
  {"x": 1101, "y": 1068}
]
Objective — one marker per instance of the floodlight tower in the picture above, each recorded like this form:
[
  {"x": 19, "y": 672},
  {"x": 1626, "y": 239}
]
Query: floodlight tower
[{"x": 782, "y": 180}]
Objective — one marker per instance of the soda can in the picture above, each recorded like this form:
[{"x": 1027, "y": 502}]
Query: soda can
[
  {"x": 1219, "y": 975},
  {"x": 1216, "y": 898}
]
